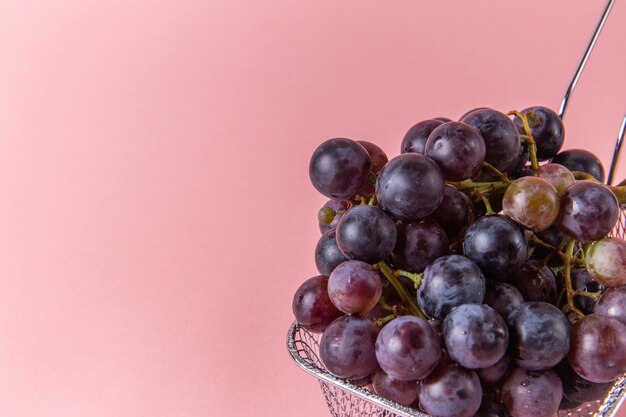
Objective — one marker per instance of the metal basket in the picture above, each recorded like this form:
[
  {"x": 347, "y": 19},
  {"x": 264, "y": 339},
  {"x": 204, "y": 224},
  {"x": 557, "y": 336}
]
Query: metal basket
[{"x": 348, "y": 400}]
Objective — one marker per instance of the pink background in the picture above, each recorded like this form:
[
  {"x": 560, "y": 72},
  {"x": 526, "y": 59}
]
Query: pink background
[{"x": 156, "y": 214}]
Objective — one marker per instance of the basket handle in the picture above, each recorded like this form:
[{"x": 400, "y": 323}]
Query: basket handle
[{"x": 618, "y": 148}]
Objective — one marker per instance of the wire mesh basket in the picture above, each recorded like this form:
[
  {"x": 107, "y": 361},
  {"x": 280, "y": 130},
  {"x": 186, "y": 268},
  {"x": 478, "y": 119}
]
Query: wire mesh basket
[{"x": 346, "y": 399}]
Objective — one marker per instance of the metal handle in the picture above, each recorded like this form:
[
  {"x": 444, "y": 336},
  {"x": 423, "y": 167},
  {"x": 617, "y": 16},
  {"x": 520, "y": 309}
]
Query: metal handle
[{"x": 585, "y": 58}]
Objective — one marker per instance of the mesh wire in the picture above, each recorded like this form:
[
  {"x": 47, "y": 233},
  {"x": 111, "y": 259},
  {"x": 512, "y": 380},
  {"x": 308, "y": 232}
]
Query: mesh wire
[{"x": 347, "y": 399}]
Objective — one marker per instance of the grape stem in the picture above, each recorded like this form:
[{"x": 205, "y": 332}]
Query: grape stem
[
  {"x": 487, "y": 204},
  {"x": 415, "y": 277},
  {"x": 388, "y": 272},
  {"x": 384, "y": 320},
  {"x": 620, "y": 193},
  {"x": 579, "y": 175},
  {"x": 496, "y": 171},
  {"x": 569, "y": 251},
  {"x": 372, "y": 200},
  {"x": 593, "y": 295},
  {"x": 528, "y": 137}
]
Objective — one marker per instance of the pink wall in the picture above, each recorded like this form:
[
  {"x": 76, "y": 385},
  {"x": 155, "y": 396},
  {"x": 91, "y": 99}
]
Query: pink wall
[{"x": 156, "y": 215}]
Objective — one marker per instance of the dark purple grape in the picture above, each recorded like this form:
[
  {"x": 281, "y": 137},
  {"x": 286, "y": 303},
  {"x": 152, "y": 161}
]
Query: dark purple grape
[
  {"x": 311, "y": 305},
  {"x": 377, "y": 155},
  {"x": 501, "y": 138},
  {"x": 347, "y": 347},
  {"x": 578, "y": 389},
  {"x": 598, "y": 348},
  {"x": 408, "y": 348},
  {"x": 546, "y": 128},
  {"x": 532, "y": 202},
  {"x": 471, "y": 111},
  {"x": 354, "y": 287},
  {"x": 504, "y": 298},
  {"x": 455, "y": 212},
  {"x": 327, "y": 253},
  {"x": 339, "y": 168},
  {"x": 366, "y": 233},
  {"x": 402, "y": 392},
  {"x": 568, "y": 405},
  {"x": 589, "y": 211},
  {"x": 553, "y": 235},
  {"x": 448, "y": 282},
  {"x": 540, "y": 335},
  {"x": 532, "y": 393},
  {"x": 336, "y": 206},
  {"x": 458, "y": 149},
  {"x": 495, "y": 372},
  {"x": 581, "y": 280},
  {"x": 496, "y": 244},
  {"x": 418, "y": 244},
  {"x": 450, "y": 391},
  {"x": 516, "y": 167},
  {"x": 612, "y": 303},
  {"x": 490, "y": 408},
  {"x": 606, "y": 261},
  {"x": 535, "y": 281},
  {"x": 410, "y": 187},
  {"x": 581, "y": 160},
  {"x": 475, "y": 336},
  {"x": 415, "y": 139}
]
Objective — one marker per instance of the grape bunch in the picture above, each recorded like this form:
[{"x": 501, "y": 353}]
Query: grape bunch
[{"x": 472, "y": 274}]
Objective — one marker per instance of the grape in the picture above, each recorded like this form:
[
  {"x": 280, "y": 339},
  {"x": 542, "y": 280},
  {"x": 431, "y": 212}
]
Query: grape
[
  {"x": 535, "y": 281},
  {"x": 532, "y": 202},
  {"x": 540, "y": 335},
  {"x": 347, "y": 347},
  {"x": 612, "y": 303},
  {"x": 532, "y": 393},
  {"x": 336, "y": 206},
  {"x": 418, "y": 244},
  {"x": 606, "y": 261},
  {"x": 496, "y": 244},
  {"x": 408, "y": 348},
  {"x": 598, "y": 348},
  {"x": 410, "y": 187},
  {"x": 442, "y": 119},
  {"x": 339, "y": 168},
  {"x": 402, "y": 392},
  {"x": 516, "y": 166},
  {"x": 502, "y": 141},
  {"x": 581, "y": 160},
  {"x": 311, "y": 305},
  {"x": 504, "y": 298},
  {"x": 581, "y": 280},
  {"x": 450, "y": 391},
  {"x": 495, "y": 372},
  {"x": 578, "y": 389},
  {"x": 415, "y": 139},
  {"x": 557, "y": 175},
  {"x": 448, "y": 282},
  {"x": 366, "y": 233},
  {"x": 490, "y": 408},
  {"x": 458, "y": 149},
  {"x": 454, "y": 213},
  {"x": 354, "y": 287},
  {"x": 589, "y": 211},
  {"x": 377, "y": 155},
  {"x": 327, "y": 253},
  {"x": 475, "y": 336},
  {"x": 547, "y": 130}
]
